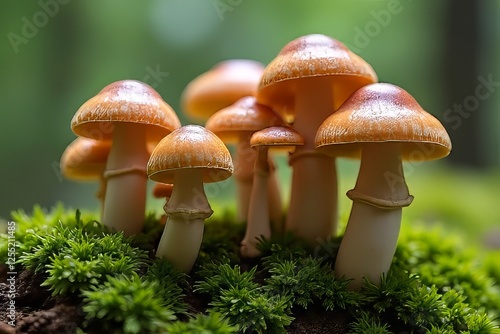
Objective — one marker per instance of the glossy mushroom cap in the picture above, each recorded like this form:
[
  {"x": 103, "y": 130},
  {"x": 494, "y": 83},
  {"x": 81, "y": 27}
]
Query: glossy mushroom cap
[
  {"x": 308, "y": 57},
  {"x": 192, "y": 147},
  {"x": 282, "y": 136},
  {"x": 162, "y": 190},
  {"x": 85, "y": 159},
  {"x": 125, "y": 101},
  {"x": 244, "y": 116},
  {"x": 384, "y": 113},
  {"x": 220, "y": 87}
]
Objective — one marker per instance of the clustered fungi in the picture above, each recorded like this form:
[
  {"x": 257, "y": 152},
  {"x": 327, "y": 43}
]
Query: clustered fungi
[{"x": 316, "y": 98}]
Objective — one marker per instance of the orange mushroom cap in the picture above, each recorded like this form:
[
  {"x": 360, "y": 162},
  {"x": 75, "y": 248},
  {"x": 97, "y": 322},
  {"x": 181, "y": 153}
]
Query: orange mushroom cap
[
  {"x": 125, "y": 101},
  {"x": 85, "y": 159},
  {"x": 280, "y": 136},
  {"x": 308, "y": 57},
  {"x": 192, "y": 147},
  {"x": 220, "y": 87},
  {"x": 384, "y": 113},
  {"x": 162, "y": 190},
  {"x": 244, "y": 116}
]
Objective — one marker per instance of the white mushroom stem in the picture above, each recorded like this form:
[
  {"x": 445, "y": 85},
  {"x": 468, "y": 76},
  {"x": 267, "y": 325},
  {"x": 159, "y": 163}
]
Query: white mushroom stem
[
  {"x": 101, "y": 193},
  {"x": 244, "y": 162},
  {"x": 312, "y": 214},
  {"x": 372, "y": 231},
  {"x": 125, "y": 200},
  {"x": 186, "y": 211},
  {"x": 275, "y": 202},
  {"x": 258, "y": 224}
]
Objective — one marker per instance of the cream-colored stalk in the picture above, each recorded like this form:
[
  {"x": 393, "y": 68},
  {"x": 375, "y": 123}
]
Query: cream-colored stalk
[
  {"x": 126, "y": 178},
  {"x": 370, "y": 240},
  {"x": 312, "y": 214},
  {"x": 258, "y": 224},
  {"x": 186, "y": 212}
]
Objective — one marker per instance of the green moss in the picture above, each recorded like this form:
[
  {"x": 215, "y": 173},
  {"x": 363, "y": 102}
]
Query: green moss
[{"x": 436, "y": 284}]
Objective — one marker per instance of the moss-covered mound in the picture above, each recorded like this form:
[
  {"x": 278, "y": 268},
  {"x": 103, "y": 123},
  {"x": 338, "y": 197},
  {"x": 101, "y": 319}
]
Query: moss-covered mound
[{"x": 72, "y": 275}]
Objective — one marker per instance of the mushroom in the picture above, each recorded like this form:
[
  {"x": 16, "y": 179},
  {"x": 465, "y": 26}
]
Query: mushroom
[
  {"x": 224, "y": 84},
  {"x": 236, "y": 124},
  {"x": 258, "y": 216},
  {"x": 309, "y": 79},
  {"x": 385, "y": 125},
  {"x": 131, "y": 113},
  {"x": 163, "y": 190},
  {"x": 84, "y": 160},
  {"x": 188, "y": 157}
]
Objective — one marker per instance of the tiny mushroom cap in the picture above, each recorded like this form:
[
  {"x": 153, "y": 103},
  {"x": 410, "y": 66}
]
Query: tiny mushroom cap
[
  {"x": 220, "y": 87},
  {"x": 162, "y": 190},
  {"x": 313, "y": 56},
  {"x": 85, "y": 159},
  {"x": 190, "y": 147},
  {"x": 384, "y": 113},
  {"x": 280, "y": 136}
]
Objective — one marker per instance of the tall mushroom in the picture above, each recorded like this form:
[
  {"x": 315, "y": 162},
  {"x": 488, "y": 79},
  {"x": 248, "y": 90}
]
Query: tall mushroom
[
  {"x": 384, "y": 124},
  {"x": 236, "y": 124},
  {"x": 188, "y": 157},
  {"x": 258, "y": 215},
  {"x": 309, "y": 79},
  {"x": 227, "y": 82},
  {"x": 130, "y": 113},
  {"x": 85, "y": 160}
]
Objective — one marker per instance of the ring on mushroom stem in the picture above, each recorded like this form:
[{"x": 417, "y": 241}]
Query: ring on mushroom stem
[
  {"x": 187, "y": 158},
  {"x": 308, "y": 80},
  {"x": 132, "y": 114},
  {"x": 384, "y": 125}
]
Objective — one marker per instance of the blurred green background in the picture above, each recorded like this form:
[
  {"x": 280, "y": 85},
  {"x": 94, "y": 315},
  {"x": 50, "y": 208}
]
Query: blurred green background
[{"x": 56, "y": 54}]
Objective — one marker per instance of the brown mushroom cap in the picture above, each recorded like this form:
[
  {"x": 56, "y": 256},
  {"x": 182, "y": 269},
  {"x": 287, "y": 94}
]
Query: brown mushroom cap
[
  {"x": 125, "y": 101},
  {"x": 308, "y": 57},
  {"x": 244, "y": 116},
  {"x": 220, "y": 87},
  {"x": 282, "y": 136},
  {"x": 384, "y": 113},
  {"x": 190, "y": 146},
  {"x": 85, "y": 159},
  {"x": 162, "y": 190}
]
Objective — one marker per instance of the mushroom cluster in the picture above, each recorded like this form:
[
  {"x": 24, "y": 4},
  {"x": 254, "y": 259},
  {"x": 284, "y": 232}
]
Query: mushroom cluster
[{"x": 316, "y": 100}]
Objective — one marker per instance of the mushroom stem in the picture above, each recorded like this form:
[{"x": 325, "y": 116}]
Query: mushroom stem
[
  {"x": 244, "y": 162},
  {"x": 125, "y": 200},
  {"x": 258, "y": 215},
  {"x": 312, "y": 214},
  {"x": 186, "y": 212},
  {"x": 101, "y": 193},
  {"x": 370, "y": 240},
  {"x": 275, "y": 203}
]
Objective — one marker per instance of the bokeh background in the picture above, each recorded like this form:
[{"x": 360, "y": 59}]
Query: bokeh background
[{"x": 56, "y": 54}]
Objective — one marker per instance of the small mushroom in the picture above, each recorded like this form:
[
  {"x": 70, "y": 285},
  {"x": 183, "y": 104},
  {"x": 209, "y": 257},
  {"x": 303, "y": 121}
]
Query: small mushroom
[
  {"x": 163, "y": 190},
  {"x": 85, "y": 160},
  {"x": 131, "y": 114},
  {"x": 258, "y": 215},
  {"x": 188, "y": 157},
  {"x": 385, "y": 125},
  {"x": 224, "y": 84},
  {"x": 235, "y": 125},
  {"x": 307, "y": 81}
]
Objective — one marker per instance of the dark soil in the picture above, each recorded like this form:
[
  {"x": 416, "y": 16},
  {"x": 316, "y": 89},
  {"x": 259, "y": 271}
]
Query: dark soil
[{"x": 38, "y": 312}]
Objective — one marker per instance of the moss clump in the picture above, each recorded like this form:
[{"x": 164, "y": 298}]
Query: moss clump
[{"x": 434, "y": 285}]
